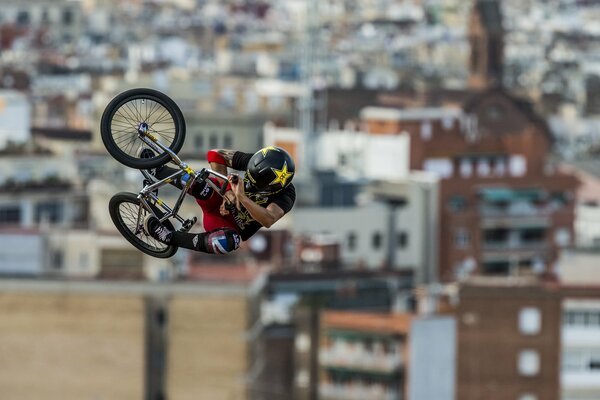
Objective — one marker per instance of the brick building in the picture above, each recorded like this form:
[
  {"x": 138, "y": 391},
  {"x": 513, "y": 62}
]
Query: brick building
[
  {"x": 526, "y": 339},
  {"x": 508, "y": 340},
  {"x": 504, "y": 209}
]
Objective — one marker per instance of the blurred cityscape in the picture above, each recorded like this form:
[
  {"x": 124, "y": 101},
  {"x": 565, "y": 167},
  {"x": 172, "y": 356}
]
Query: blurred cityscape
[{"x": 445, "y": 243}]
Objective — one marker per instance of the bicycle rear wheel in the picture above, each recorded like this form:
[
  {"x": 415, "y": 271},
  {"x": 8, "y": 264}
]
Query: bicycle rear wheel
[
  {"x": 123, "y": 208},
  {"x": 141, "y": 110}
]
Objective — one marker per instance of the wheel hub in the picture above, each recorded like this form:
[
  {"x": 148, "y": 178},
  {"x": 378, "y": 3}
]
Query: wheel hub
[{"x": 143, "y": 128}]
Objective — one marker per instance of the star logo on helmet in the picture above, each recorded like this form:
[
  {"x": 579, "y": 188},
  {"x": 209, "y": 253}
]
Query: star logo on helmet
[
  {"x": 265, "y": 150},
  {"x": 281, "y": 175}
]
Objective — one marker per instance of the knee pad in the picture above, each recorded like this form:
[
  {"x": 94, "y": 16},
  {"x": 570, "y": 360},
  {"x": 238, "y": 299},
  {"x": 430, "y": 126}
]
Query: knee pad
[
  {"x": 222, "y": 241},
  {"x": 201, "y": 190}
]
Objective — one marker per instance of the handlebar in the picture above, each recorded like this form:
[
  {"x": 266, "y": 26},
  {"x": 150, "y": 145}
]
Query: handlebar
[{"x": 205, "y": 172}]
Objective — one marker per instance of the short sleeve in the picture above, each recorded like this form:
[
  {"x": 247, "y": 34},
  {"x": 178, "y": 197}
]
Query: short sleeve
[
  {"x": 286, "y": 199},
  {"x": 240, "y": 160}
]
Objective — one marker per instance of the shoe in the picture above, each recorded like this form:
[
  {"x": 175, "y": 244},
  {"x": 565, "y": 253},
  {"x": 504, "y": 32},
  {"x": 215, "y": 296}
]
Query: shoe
[{"x": 158, "y": 231}]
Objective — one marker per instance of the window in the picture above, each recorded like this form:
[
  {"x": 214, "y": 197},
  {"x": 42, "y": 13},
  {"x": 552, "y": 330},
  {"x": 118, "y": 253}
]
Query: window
[
  {"x": 496, "y": 237},
  {"x": 462, "y": 238},
  {"x": 517, "y": 166},
  {"x": 495, "y": 112},
  {"x": 562, "y": 237},
  {"x": 530, "y": 321},
  {"x": 483, "y": 167},
  {"x": 228, "y": 141},
  {"x": 10, "y": 215},
  {"x": 45, "y": 16},
  {"x": 582, "y": 318},
  {"x": 583, "y": 359},
  {"x": 441, "y": 166},
  {"x": 500, "y": 167},
  {"x": 351, "y": 241},
  {"x": 56, "y": 259},
  {"x": 534, "y": 235},
  {"x": 496, "y": 268},
  {"x": 50, "y": 211},
  {"x": 199, "y": 142},
  {"x": 447, "y": 122},
  {"x": 528, "y": 396},
  {"x": 23, "y": 18},
  {"x": 67, "y": 16},
  {"x": 213, "y": 142},
  {"x": 426, "y": 130},
  {"x": 457, "y": 203},
  {"x": 528, "y": 363},
  {"x": 466, "y": 167},
  {"x": 402, "y": 239},
  {"x": 302, "y": 342},
  {"x": 376, "y": 240}
]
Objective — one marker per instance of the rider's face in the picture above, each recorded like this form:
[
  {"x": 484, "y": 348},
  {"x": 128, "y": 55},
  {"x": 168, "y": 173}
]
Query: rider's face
[{"x": 250, "y": 187}]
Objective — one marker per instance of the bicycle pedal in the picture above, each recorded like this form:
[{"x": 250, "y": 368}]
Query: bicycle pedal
[{"x": 187, "y": 224}]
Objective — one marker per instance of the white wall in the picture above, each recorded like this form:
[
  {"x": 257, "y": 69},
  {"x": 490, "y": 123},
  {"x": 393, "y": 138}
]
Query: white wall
[
  {"x": 360, "y": 155},
  {"x": 587, "y": 225},
  {"x": 580, "y": 339},
  {"x": 432, "y": 368},
  {"x": 417, "y": 219},
  {"x": 21, "y": 253},
  {"x": 15, "y": 116}
]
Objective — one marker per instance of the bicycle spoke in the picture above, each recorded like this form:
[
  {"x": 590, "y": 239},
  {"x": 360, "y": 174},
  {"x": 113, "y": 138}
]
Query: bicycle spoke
[{"x": 129, "y": 215}]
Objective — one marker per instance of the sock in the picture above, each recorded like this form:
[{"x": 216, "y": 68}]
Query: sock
[{"x": 192, "y": 241}]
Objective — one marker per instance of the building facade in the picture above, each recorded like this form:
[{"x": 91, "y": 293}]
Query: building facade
[
  {"x": 504, "y": 209},
  {"x": 508, "y": 344},
  {"x": 363, "y": 356}
]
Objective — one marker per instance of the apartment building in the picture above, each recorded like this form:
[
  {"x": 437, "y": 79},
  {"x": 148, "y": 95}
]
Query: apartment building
[
  {"x": 363, "y": 356},
  {"x": 580, "y": 343},
  {"x": 508, "y": 340},
  {"x": 284, "y": 338},
  {"x": 64, "y": 20},
  {"x": 521, "y": 338}
]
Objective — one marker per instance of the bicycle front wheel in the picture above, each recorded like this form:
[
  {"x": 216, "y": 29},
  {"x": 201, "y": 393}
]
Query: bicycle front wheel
[
  {"x": 141, "y": 110},
  {"x": 124, "y": 208}
]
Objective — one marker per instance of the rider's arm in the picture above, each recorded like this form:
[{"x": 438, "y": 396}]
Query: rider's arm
[
  {"x": 265, "y": 216},
  {"x": 220, "y": 159}
]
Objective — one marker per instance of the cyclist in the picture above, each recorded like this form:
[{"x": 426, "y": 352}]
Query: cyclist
[{"x": 264, "y": 196}]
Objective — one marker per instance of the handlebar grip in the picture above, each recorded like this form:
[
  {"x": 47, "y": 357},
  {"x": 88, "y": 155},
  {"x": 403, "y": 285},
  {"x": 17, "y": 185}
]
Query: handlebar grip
[{"x": 234, "y": 179}]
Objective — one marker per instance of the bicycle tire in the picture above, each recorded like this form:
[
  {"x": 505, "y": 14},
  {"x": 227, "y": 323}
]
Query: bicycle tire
[
  {"x": 123, "y": 208},
  {"x": 123, "y": 116}
]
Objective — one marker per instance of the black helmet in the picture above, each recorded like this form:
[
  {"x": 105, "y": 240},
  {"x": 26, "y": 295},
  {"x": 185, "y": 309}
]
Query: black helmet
[{"x": 270, "y": 169}]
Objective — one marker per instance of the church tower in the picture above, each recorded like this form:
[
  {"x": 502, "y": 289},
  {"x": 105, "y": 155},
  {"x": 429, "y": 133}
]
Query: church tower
[{"x": 486, "y": 37}]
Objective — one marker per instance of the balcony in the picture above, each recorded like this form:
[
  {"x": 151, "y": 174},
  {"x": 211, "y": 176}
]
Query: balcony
[
  {"x": 581, "y": 336},
  {"x": 539, "y": 245},
  {"x": 514, "y": 221},
  {"x": 357, "y": 391},
  {"x": 344, "y": 359},
  {"x": 580, "y": 380}
]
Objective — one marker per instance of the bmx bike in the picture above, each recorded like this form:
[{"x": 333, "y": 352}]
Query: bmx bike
[{"x": 140, "y": 119}]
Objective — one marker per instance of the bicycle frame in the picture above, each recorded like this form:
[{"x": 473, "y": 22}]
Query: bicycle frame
[{"x": 147, "y": 193}]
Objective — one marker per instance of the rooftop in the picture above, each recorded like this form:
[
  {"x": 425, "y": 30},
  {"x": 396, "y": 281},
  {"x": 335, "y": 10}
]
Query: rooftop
[
  {"x": 367, "y": 322},
  {"x": 394, "y": 114}
]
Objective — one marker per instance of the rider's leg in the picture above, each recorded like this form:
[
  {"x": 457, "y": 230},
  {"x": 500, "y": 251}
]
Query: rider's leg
[{"x": 217, "y": 241}]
